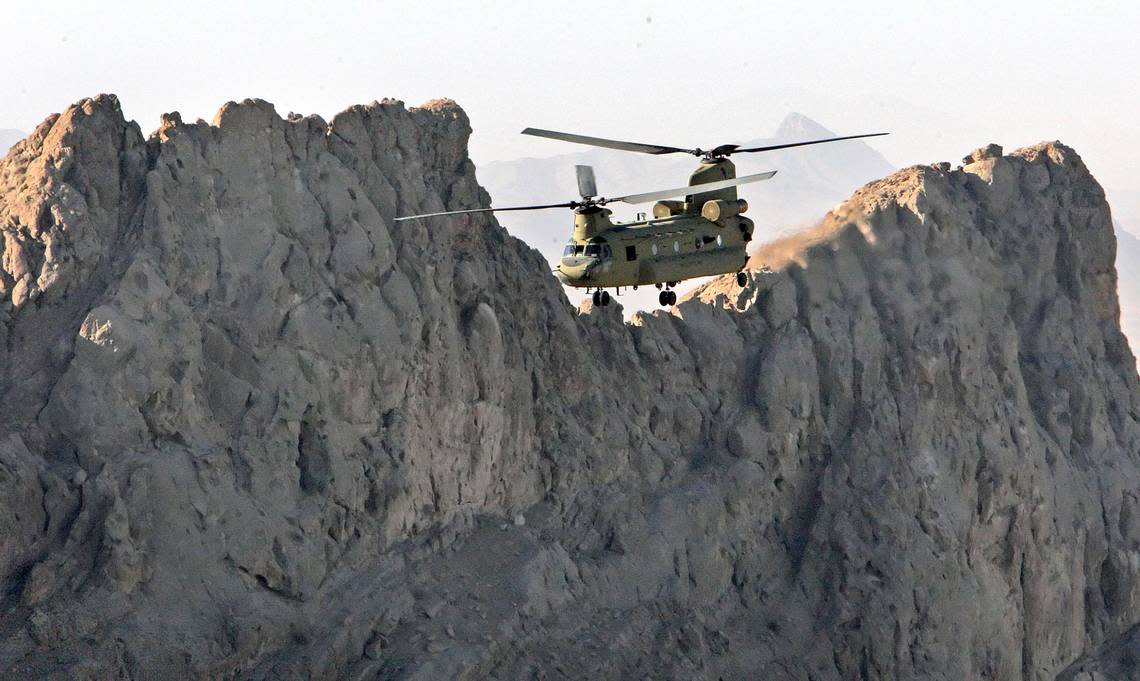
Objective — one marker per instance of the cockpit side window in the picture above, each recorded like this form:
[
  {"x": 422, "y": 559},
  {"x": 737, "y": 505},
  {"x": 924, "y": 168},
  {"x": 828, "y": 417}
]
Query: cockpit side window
[{"x": 599, "y": 249}]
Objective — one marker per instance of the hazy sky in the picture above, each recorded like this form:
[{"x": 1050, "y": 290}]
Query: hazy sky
[{"x": 943, "y": 78}]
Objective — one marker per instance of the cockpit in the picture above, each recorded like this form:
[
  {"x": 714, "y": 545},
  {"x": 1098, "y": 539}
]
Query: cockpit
[{"x": 597, "y": 248}]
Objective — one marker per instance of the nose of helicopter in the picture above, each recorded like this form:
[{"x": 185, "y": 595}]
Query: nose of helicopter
[{"x": 575, "y": 268}]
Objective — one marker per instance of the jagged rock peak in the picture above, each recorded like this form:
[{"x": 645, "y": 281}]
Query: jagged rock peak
[
  {"x": 106, "y": 109},
  {"x": 1002, "y": 185}
]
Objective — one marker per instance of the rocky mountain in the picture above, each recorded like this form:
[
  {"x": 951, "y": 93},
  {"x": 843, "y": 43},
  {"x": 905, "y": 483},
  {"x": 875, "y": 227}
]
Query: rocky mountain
[
  {"x": 8, "y": 137},
  {"x": 809, "y": 182},
  {"x": 252, "y": 428}
]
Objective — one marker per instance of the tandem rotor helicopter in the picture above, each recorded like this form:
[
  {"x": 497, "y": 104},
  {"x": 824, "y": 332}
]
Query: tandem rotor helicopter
[{"x": 704, "y": 234}]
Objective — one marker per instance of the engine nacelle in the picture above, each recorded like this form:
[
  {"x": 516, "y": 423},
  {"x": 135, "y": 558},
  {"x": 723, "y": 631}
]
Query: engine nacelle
[
  {"x": 719, "y": 209},
  {"x": 664, "y": 209}
]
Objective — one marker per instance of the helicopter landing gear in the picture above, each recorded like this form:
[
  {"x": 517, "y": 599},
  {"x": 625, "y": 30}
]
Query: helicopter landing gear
[
  {"x": 601, "y": 298},
  {"x": 741, "y": 279},
  {"x": 667, "y": 298}
]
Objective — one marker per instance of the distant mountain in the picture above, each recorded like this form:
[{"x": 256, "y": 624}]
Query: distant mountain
[
  {"x": 8, "y": 137},
  {"x": 809, "y": 182},
  {"x": 1125, "y": 208},
  {"x": 1128, "y": 271}
]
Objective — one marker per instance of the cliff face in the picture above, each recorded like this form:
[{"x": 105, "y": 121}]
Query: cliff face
[{"x": 252, "y": 428}]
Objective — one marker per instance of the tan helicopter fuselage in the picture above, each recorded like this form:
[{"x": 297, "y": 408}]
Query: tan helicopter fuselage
[{"x": 703, "y": 235}]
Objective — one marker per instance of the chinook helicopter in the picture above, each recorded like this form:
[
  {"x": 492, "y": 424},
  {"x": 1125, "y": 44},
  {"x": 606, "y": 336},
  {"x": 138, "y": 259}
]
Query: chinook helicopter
[{"x": 704, "y": 234}]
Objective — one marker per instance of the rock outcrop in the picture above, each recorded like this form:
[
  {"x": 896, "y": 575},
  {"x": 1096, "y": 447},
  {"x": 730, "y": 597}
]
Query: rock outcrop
[{"x": 251, "y": 428}]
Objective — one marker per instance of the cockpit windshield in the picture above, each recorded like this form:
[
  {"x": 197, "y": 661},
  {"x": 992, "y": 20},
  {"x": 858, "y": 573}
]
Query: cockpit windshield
[{"x": 594, "y": 249}]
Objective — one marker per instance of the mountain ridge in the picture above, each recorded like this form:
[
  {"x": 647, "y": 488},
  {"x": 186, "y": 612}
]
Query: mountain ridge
[{"x": 338, "y": 446}]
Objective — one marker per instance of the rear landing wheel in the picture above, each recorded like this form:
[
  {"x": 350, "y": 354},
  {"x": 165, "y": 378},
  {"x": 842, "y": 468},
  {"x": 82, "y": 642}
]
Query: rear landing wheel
[{"x": 741, "y": 279}]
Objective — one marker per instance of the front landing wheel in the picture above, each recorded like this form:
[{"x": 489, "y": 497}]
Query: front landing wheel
[{"x": 741, "y": 279}]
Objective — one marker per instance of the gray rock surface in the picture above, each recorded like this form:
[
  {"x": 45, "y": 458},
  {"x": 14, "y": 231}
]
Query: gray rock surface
[
  {"x": 252, "y": 428},
  {"x": 1116, "y": 660}
]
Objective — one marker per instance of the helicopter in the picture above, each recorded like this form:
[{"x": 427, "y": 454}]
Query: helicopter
[{"x": 703, "y": 234}]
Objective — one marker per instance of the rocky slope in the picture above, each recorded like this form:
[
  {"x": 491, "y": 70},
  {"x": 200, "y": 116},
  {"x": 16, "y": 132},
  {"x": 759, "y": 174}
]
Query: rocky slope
[{"x": 251, "y": 428}]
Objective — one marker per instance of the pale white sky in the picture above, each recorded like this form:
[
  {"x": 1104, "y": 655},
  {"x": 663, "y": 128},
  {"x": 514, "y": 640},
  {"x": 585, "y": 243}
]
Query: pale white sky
[{"x": 942, "y": 77}]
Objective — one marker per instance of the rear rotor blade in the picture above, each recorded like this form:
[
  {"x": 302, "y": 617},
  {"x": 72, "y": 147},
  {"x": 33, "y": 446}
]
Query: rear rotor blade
[
  {"x": 692, "y": 189},
  {"x": 772, "y": 147},
  {"x": 570, "y": 204},
  {"x": 608, "y": 144},
  {"x": 587, "y": 186}
]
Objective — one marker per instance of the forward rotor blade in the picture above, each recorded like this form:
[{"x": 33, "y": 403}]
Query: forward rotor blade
[
  {"x": 608, "y": 144},
  {"x": 692, "y": 189},
  {"x": 772, "y": 147},
  {"x": 587, "y": 186},
  {"x": 570, "y": 204}
]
